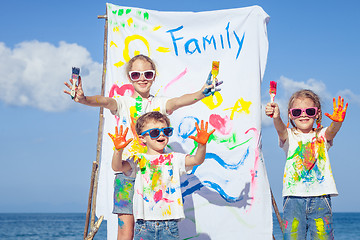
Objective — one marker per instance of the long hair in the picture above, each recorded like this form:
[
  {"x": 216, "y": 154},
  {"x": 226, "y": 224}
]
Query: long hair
[
  {"x": 306, "y": 93},
  {"x": 141, "y": 57}
]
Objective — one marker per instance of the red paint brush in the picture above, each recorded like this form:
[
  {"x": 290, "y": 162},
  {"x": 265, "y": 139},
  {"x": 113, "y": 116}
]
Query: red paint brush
[{"x": 272, "y": 90}]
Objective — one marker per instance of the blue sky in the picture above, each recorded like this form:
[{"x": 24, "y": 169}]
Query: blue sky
[{"x": 48, "y": 143}]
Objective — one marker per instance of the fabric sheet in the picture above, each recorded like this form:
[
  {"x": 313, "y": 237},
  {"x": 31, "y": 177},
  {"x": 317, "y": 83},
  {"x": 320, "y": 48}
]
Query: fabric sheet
[{"x": 228, "y": 195}]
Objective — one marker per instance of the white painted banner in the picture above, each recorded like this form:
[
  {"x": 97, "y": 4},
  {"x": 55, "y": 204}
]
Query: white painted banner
[{"x": 228, "y": 196}]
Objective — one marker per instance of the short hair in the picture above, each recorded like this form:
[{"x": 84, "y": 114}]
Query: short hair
[{"x": 150, "y": 116}]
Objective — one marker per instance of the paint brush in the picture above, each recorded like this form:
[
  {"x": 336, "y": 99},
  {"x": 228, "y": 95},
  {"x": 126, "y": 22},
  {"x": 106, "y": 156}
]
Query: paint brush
[
  {"x": 214, "y": 73},
  {"x": 272, "y": 91},
  {"x": 75, "y": 77}
]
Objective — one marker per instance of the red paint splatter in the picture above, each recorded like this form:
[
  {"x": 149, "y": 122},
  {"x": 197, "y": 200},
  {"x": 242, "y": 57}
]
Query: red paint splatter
[
  {"x": 222, "y": 125},
  {"x": 126, "y": 89},
  {"x": 254, "y": 170},
  {"x": 286, "y": 224},
  {"x": 162, "y": 160},
  {"x": 158, "y": 196}
]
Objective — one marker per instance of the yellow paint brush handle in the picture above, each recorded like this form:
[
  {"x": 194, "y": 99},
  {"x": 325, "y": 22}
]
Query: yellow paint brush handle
[{"x": 215, "y": 68}]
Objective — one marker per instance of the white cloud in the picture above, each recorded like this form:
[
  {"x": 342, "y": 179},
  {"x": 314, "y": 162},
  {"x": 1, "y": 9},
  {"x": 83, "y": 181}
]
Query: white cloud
[
  {"x": 290, "y": 86},
  {"x": 33, "y": 74},
  {"x": 349, "y": 96}
]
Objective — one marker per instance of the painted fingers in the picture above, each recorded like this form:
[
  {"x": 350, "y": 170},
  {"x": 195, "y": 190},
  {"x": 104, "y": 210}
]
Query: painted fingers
[
  {"x": 339, "y": 111},
  {"x": 202, "y": 136},
  {"x": 119, "y": 138}
]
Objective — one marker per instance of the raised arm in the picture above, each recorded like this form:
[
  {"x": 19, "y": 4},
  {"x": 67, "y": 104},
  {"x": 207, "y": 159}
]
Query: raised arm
[
  {"x": 337, "y": 117},
  {"x": 272, "y": 110},
  {"x": 120, "y": 142},
  {"x": 189, "y": 99},
  {"x": 201, "y": 138},
  {"x": 93, "y": 101}
]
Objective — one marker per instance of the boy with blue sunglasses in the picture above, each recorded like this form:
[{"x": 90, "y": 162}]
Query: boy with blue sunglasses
[
  {"x": 141, "y": 73},
  {"x": 157, "y": 194}
]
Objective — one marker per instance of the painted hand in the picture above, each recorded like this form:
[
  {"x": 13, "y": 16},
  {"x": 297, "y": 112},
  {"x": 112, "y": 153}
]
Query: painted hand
[
  {"x": 339, "y": 111},
  {"x": 208, "y": 86},
  {"x": 202, "y": 135},
  {"x": 119, "y": 139}
]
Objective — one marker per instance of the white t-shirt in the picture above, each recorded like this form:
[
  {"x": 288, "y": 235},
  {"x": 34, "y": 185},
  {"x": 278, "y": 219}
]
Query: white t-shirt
[
  {"x": 157, "y": 192},
  {"x": 129, "y": 110},
  {"x": 307, "y": 168}
]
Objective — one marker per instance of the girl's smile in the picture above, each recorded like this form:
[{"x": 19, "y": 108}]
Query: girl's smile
[
  {"x": 304, "y": 123},
  {"x": 141, "y": 86}
]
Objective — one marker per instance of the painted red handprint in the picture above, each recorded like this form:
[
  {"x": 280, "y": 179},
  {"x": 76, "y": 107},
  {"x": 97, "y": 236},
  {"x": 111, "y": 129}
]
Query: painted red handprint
[
  {"x": 339, "y": 111},
  {"x": 119, "y": 138},
  {"x": 202, "y": 135}
]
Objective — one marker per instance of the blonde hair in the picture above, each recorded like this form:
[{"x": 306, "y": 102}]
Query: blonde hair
[
  {"x": 306, "y": 93},
  {"x": 139, "y": 57}
]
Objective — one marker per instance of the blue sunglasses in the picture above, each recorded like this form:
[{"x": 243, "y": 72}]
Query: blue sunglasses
[{"x": 155, "y": 132}]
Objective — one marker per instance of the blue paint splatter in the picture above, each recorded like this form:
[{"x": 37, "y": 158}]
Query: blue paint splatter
[
  {"x": 213, "y": 186},
  {"x": 187, "y": 126},
  {"x": 120, "y": 222},
  {"x": 223, "y": 163}
]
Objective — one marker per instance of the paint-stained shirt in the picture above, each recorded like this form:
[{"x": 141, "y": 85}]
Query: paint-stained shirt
[
  {"x": 129, "y": 110},
  {"x": 157, "y": 192},
  {"x": 307, "y": 168}
]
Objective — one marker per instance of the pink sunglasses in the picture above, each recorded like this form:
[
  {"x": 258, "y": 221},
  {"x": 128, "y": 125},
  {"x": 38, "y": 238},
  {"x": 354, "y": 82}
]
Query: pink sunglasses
[{"x": 310, "y": 112}]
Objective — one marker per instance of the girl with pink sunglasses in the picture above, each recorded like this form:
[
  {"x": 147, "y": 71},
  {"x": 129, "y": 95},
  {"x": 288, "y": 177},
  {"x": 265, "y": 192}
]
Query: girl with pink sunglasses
[{"x": 308, "y": 183}]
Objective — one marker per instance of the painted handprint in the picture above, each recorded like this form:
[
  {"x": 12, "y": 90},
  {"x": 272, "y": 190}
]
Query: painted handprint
[
  {"x": 202, "y": 135},
  {"x": 209, "y": 85},
  {"x": 119, "y": 138},
  {"x": 339, "y": 111}
]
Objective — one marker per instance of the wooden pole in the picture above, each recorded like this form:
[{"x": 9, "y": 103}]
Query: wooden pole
[
  {"x": 95, "y": 229},
  {"x": 100, "y": 128},
  {"x": 95, "y": 171},
  {"x": 94, "y": 167},
  {"x": 276, "y": 211}
]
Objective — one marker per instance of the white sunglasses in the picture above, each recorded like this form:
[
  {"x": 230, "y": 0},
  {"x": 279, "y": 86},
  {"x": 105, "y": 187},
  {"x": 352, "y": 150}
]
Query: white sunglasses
[{"x": 148, "y": 75}]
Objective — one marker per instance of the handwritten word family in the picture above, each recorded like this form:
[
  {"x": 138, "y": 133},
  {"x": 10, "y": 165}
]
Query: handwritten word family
[{"x": 193, "y": 45}]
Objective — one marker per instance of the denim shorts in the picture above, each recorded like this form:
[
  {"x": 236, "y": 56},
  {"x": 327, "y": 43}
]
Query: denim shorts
[
  {"x": 308, "y": 215},
  {"x": 123, "y": 194},
  {"x": 156, "y": 229}
]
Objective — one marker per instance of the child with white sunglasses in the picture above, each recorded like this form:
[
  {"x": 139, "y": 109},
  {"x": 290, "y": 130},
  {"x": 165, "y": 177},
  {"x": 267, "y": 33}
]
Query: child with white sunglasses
[
  {"x": 158, "y": 204},
  {"x": 308, "y": 181},
  {"x": 141, "y": 72}
]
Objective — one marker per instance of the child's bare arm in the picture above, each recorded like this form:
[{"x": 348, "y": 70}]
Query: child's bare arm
[
  {"x": 118, "y": 164},
  {"x": 201, "y": 138},
  {"x": 337, "y": 117},
  {"x": 120, "y": 142},
  {"x": 183, "y": 101},
  {"x": 189, "y": 99},
  {"x": 272, "y": 109},
  {"x": 93, "y": 101},
  {"x": 198, "y": 158}
]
